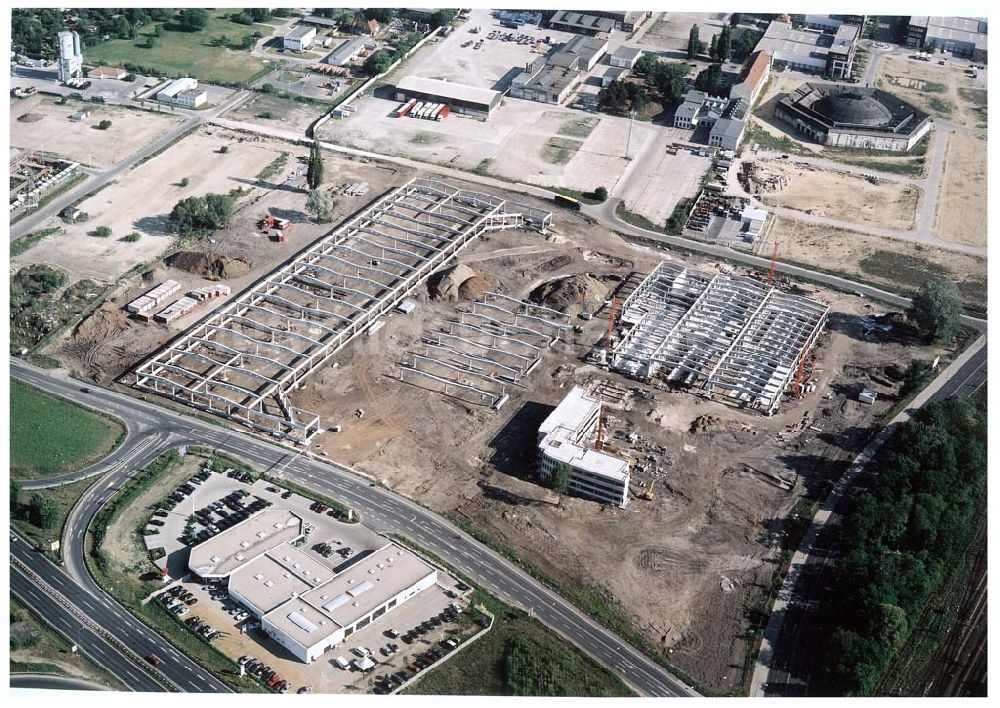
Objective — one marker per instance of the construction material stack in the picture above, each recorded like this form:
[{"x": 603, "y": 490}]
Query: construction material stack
[{"x": 142, "y": 306}]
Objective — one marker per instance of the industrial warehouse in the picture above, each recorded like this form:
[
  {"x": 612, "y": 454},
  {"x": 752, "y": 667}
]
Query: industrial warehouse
[
  {"x": 301, "y": 603},
  {"x": 729, "y": 336},
  {"x": 467, "y": 100},
  {"x": 842, "y": 115},
  {"x": 242, "y": 362}
]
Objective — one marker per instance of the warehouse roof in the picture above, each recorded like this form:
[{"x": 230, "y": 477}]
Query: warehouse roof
[
  {"x": 627, "y": 53},
  {"x": 233, "y": 548},
  {"x": 577, "y": 20},
  {"x": 449, "y": 90},
  {"x": 345, "y": 51}
]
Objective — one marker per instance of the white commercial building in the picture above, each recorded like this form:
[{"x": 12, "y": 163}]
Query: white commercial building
[
  {"x": 300, "y": 602},
  {"x": 183, "y": 92},
  {"x": 563, "y": 438},
  {"x": 70, "y": 56},
  {"x": 299, "y": 38}
]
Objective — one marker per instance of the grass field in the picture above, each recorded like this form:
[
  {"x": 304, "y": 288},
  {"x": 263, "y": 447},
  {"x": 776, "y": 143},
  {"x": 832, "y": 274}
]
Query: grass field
[
  {"x": 37, "y": 649},
  {"x": 64, "y": 496},
  {"x": 179, "y": 53},
  {"x": 50, "y": 435}
]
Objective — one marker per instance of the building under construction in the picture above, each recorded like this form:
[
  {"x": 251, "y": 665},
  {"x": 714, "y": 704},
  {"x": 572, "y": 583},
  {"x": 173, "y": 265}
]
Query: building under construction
[
  {"x": 243, "y": 360},
  {"x": 731, "y": 337},
  {"x": 33, "y": 176}
]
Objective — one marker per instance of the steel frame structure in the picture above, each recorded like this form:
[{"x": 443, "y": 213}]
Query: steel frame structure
[
  {"x": 727, "y": 335},
  {"x": 242, "y": 361}
]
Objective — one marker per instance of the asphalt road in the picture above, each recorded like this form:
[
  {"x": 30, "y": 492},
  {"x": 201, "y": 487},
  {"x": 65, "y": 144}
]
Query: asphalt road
[
  {"x": 49, "y": 682},
  {"x": 380, "y": 509},
  {"x": 58, "y": 613}
]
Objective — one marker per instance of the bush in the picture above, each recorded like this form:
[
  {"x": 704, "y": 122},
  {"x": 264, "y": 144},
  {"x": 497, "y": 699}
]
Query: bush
[
  {"x": 601, "y": 194},
  {"x": 223, "y": 150},
  {"x": 132, "y": 237},
  {"x": 104, "y": 124},
  {"x": 184, "y": 182},
  {"x": 198, "y": 216},
  {"x": 267, "y": 115},
  {"x": 102, "y": 231},
  {"x": 42, "y": 511}
]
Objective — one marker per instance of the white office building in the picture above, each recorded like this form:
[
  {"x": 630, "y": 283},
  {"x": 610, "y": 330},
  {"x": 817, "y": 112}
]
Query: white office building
[
  {"x": 565, "y": 438},
  {"x": 70, "y": 56},
  {"x": 300, "y": 602},
  {"x": 299, "y": 38}
]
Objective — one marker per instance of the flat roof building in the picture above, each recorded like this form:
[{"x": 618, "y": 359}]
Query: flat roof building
[
  {"x": 460, "y": 98},
  {"x": 300, "y": 601},
  {"x": 699, "y": 108},
  {"x": 814, "y": 51},
  {"x": 346, "y": 52},
  {"x": 106, "y": 72},
  {"x": 550, "y": 79},
  {"x": 299, "y": 38},
  {"x": 563, "y": 438},
  {"x": 962, "y": 36},
  {"x": 183, "y": 92},
  {"x": 625, "y": 57}
]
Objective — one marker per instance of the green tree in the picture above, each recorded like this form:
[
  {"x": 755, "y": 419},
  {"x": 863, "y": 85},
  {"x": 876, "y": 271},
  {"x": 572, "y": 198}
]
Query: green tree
[
  {"x": 198, "y": 216},
  {"x": 646, "y": 64},
  {"x": 601, "y": 194},
  {"x": 241, "y": 18},
  {"x": 314, "y": 172},
  {"x": 184, "y": 182},
  {"x": 936, "y": 310},
  {"x": 725, "y": 43},
  {"x": 319, "y": 204},
  {"x": 668, "y": 80},
  {"x": 102, "y": 231},
  {"x": 192, "y": 19},
  {"x": 442, "y": 18},
  {"x": 713, "y": 48},
  {"x": 223, "y": 150},
  {"x": 42, "y": 511},
  {"x": 150, "y": 41},
  {"x": 560, "y": 477},
  {"x": 260, "y": 14},
  {"x": 916, "y": 376},
  {"x": 378, "y": 63},
  {"x": 158, "y": 30},
  {"x": 104, "y": 124},
  {"x": 735, "y": 19},
  {"x": 15, "y": 492},
  {"x": 711, "y": 80},
  {"x": 132, "y": 237},
  {"x": 694, "y": 44}
]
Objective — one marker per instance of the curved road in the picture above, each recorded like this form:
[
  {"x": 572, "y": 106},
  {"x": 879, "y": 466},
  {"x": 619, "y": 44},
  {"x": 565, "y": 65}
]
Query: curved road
[
  {"x": 382, "y": 510},
  {"x": 53, "y": 682}
]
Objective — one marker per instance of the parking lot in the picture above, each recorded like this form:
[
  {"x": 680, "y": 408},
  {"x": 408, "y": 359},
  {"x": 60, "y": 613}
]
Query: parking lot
[{"x": 209, "y": 502}]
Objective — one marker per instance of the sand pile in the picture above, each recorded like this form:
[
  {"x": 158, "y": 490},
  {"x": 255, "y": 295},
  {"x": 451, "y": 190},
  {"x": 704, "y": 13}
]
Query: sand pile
[
  {"x": 572, "y": 295},
  {"x": 459, "y": 282},
  {"x": 209, "y": 266}
]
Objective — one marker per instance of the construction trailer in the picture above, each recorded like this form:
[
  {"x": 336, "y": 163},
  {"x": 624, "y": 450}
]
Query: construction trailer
[
  {"x": 209, "y": 292},
  {"x": 143, "y": 304},
  {"x": 242, "y": 361},
  {"x": 730, "y": 337}
]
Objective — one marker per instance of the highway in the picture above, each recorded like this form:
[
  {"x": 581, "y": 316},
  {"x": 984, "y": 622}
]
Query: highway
[
  {"x": 380, "y": 509},
  {"x": 51, "y": 682}
]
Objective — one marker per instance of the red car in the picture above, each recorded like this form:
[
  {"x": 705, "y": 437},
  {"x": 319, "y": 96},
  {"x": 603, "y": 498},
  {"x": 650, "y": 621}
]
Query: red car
[{"x": 154, "y": 659}]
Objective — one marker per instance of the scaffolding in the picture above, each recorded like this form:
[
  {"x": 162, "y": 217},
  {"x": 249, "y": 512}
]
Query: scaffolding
[
  {"x": 242, "y": 361},
  {"x": 726, "y": 335},
  {"x": 486, "y": 351}
]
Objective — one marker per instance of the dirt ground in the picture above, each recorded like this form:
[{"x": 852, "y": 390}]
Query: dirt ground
[
  {"x": 82, "y": 141},
  {"x": 877, "y": 260},
  {"x": 961, "y": 207},
  {"x": 842, "y": 195},
  {"x": 703, "y": 543},
  {"x": 269, "y": 109},
  {"x": 108, "y": 343},
  {"x": 671, "y": 31},
  {"x": 944, "y": 92}
]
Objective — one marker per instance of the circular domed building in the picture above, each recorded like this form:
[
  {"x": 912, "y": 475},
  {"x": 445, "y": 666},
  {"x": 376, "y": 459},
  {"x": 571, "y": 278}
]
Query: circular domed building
[{"x": 847, "y": 115}]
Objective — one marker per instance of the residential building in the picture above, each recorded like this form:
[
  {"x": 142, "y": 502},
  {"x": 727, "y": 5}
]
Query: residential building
[
  {"x": 300, "y": 38},
  {"x": 564, "y": 438},
  {"x": 299, "y": 600},
  {"x": 364, "y": 27}
]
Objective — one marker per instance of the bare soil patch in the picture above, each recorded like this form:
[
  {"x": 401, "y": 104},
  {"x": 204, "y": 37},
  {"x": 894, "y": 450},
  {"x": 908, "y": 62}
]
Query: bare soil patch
[
  {"x": 945, "y": 92},
  {"x": 961, "y": 206}
]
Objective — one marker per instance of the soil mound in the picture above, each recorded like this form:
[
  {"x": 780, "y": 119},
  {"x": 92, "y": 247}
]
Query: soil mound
[
  {"x": 30, "y": 117},
  {"x": 458, "y": 283},
  {"x": 209, "y": 266},
  {"x": 106, "y": 322},
  {"x": 572, "y": 295},
  {"x": 705, "y": 424}
]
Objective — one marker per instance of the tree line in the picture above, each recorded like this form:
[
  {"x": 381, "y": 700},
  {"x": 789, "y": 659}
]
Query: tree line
[{"x": 902, "y": 539}]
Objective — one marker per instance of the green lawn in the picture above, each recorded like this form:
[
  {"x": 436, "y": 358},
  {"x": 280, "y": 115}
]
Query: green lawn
[
  {"x": 49, "y": 435},
  {"x": 179, "y": 53}
]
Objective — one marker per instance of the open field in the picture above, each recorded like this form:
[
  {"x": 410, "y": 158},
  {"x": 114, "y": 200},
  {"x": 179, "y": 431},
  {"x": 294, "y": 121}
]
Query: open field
[
  {"x": 961, "y": 207},
  {"x": 271, "y": 109},
  {"x": 944, "y": 92},
  {"x": 105, "y": 344},
  {"x": 36, "y": 648},
  {"x": 669, "y": 35},
  {"x": 179, "y": 53},
  {"x": 555, "y": 667},
  {"x": 50, "y": 435},
  {"x": 841, "y": 195},
  {"x": 81, "y": 141},
  {"x": 882, "y": 261},
  {"x": 141, "y": 201}
]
